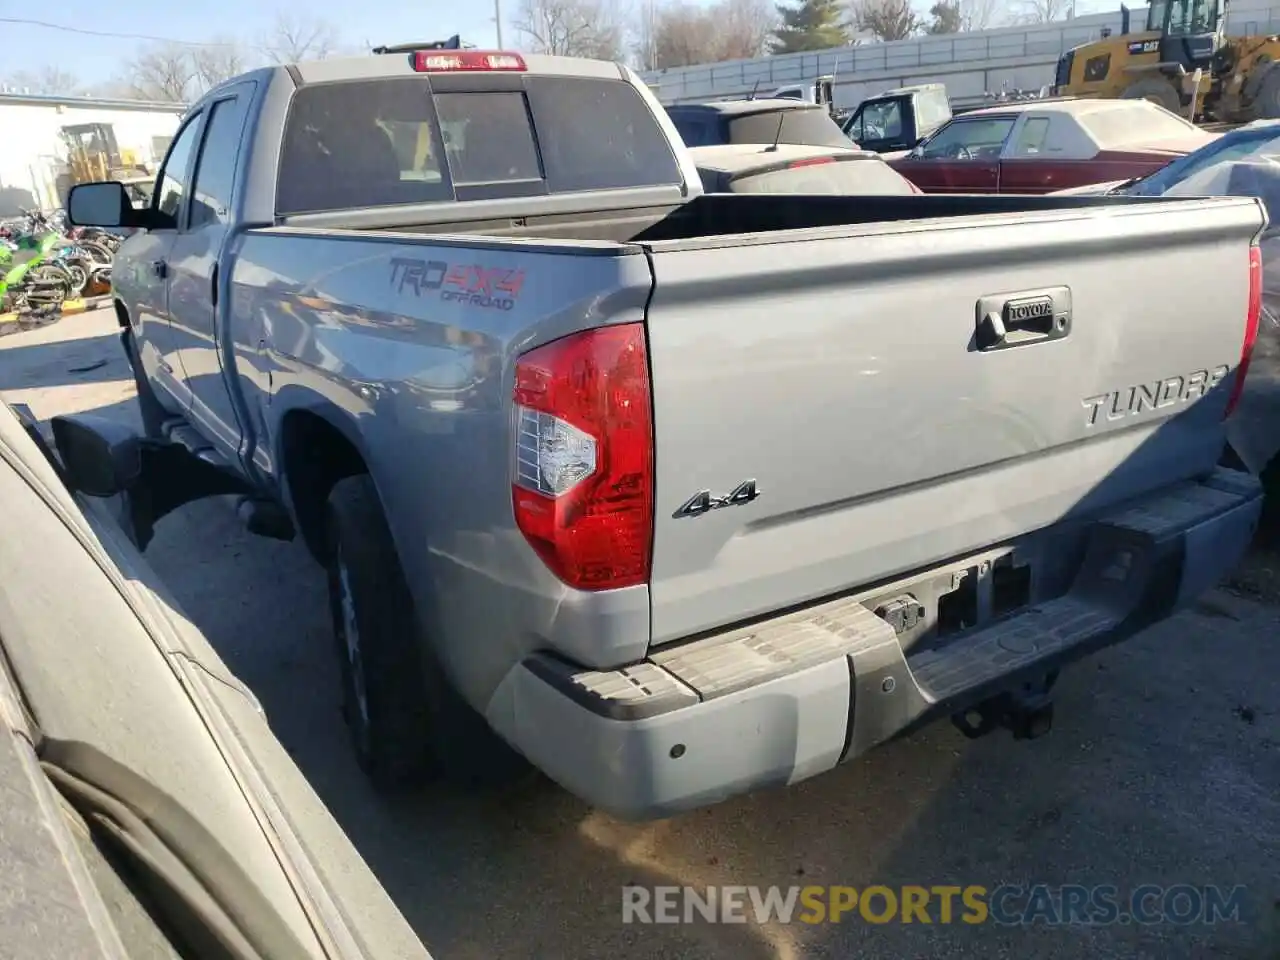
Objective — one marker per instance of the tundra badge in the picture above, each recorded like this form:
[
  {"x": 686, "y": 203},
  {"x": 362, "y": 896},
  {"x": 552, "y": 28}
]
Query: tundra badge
[{"x": 1138, "y": 399}]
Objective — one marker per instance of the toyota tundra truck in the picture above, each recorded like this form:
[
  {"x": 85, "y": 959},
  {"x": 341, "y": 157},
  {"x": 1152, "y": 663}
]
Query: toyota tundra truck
[{"x": 672, "y": 495}]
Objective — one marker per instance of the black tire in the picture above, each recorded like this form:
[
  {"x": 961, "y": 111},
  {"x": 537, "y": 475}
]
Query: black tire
[
  {"x": 1266, "y": 99},
  {"x": 99, "y": 252},
  {"x": 42, "y": 277},
  {"x": 79, "y": 275},
  {"x": 407, "y": 723},
  {"x": 1269, "y": 525},
  {"x": 1159, "y": 91}
]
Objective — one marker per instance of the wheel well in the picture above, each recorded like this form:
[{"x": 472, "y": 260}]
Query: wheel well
[{"x": 314, "y": 456}]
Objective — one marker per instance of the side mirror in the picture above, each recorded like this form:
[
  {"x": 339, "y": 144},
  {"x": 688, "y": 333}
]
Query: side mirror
[
  {"x": 103, "y": 204},
  {"x": 101, "y": 457}
]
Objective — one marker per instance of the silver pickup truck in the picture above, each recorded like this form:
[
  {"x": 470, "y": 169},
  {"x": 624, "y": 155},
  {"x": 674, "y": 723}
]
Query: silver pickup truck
[{"x": 673, "y": 495}]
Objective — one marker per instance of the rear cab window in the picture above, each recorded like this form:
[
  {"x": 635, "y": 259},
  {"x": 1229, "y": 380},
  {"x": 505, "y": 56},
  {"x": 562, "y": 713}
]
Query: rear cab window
[
  {"x": 431, "y": 139},
  {"x": 804, "y": 126},
  {"x": 811, "y": 126}
]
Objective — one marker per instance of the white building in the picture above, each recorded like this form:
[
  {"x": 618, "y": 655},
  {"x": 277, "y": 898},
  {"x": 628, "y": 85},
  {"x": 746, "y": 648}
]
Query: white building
[{"x": 48, "y": 140}]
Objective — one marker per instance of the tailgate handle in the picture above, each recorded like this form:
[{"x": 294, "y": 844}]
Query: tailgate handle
[{"x": 1020, "y": 319}]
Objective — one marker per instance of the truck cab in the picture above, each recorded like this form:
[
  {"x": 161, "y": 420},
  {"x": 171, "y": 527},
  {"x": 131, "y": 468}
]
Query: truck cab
[
  {"x": 821, "y": 92},
  {"x": 899, "y": 119}
]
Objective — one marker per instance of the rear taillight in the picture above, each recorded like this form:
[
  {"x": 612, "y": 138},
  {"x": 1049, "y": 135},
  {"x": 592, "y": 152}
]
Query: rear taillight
[
  {"x": 583, "y": 485},
  {"x": 1252, "y": 318}
]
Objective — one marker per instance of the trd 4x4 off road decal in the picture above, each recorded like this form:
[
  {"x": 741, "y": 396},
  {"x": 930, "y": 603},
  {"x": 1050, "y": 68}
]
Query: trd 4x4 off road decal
[{"x": 490, "y": 288}]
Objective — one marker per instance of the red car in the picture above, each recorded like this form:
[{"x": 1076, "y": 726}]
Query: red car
[{"x": 1044, "y": 145}]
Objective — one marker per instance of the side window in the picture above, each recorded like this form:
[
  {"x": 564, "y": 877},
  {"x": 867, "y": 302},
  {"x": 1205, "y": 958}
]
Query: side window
[
  {"x": 883, "y": 121},
  {"x": 216, "y": 167},
  {"x": 853, "y": 129},
  {"x": 695, "y": 132},
  {"x": 969, "y": 140},
  {"x": 1031, "y": 138},
  {"x": 1170, "y": 176},
  {"x": 171, "y": 184},
  {"x": 1096, "y": 68}
]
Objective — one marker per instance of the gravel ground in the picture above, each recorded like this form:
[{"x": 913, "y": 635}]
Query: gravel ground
[{"x": 1163, "y": 768}]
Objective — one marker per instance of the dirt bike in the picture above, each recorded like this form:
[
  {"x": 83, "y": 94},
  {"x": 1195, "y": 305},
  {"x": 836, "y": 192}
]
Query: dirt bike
[
  {"x": 29, "y": 279},
  {"x": 85, "y": 265}
]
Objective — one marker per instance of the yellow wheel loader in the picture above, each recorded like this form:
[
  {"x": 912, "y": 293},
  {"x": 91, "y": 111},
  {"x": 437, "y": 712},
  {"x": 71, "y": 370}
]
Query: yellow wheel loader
[{"x": 1182, "y": 61}]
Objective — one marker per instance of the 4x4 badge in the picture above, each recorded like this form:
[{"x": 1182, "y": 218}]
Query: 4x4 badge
[{"x": 704, "y": 501}]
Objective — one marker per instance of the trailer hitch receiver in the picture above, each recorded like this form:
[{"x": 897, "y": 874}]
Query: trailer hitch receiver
[{"x": 1026, "y": 713}]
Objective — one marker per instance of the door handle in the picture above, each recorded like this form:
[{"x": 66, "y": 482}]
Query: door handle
[
  {"x": 1023, "y": 318},
  {"x": 160, "y": 269}
]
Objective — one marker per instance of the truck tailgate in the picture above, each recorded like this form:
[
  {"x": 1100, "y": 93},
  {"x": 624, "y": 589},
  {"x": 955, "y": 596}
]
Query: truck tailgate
[{"x": 851, "y": 374}]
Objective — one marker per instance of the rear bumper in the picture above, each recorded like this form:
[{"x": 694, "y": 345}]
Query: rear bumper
[{"x": 789, "y": 698}]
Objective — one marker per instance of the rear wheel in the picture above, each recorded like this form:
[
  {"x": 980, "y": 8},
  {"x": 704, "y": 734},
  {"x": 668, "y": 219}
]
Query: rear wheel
[
  {"x": 79, "y": 277},
  {"x": 407, "y": 723},
  {"x": 1156, "y": 89},
  {"x": 99, "y": 252},
  {"x": 47, "y": 285},
  {"x": 1266, "y": 99}
]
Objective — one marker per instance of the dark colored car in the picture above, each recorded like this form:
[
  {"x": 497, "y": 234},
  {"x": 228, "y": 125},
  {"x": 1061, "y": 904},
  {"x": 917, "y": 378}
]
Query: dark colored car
[{"x": 777, "y": 120}]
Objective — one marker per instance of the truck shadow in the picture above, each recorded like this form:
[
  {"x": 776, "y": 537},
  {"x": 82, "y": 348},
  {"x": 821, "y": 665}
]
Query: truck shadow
[
  {"x": 1149, "y": 736},
  {"x": 39, "y": 361}
]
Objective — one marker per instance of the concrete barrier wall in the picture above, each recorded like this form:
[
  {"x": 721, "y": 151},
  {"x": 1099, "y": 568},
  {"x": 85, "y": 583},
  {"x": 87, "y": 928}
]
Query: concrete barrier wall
[{"x": 970, "y": 64}]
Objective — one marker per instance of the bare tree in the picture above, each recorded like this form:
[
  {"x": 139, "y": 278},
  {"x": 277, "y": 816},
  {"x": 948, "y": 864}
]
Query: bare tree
[
  {"x": 946, "y": 18},
  {"x": 746, "y": 27},
  {"x": 295, "y": 37},
  {"x": 48, "y": 80},
  {"x": 979, "y": 14},
  {"x": 214, "y": 64},
  {"x": 889, "y": 19},
  {"x": 573, "y": 28},
  {"x": 165, "y": 71},
  {"x": 1043, "y": 11},
  {"x": 683, "y": 34}
]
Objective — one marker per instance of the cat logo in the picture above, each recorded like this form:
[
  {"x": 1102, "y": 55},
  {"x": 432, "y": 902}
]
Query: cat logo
[{"x": 1144, "y": 46}]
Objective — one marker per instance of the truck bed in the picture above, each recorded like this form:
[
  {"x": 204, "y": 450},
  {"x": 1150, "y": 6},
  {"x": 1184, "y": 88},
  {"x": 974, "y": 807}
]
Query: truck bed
[
  {"x": 707, "y": 216},
  {"x": 826, "y": 348}
]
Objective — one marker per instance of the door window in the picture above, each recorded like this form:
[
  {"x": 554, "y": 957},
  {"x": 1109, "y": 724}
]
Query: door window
[
  {"x": 882, "y": 121},
  {"x": 1032, "y": 137},
  {"x": 969, "y": 140},
  {"x": 216, "y": 166},
  {"x": 171, "y": 185}
]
